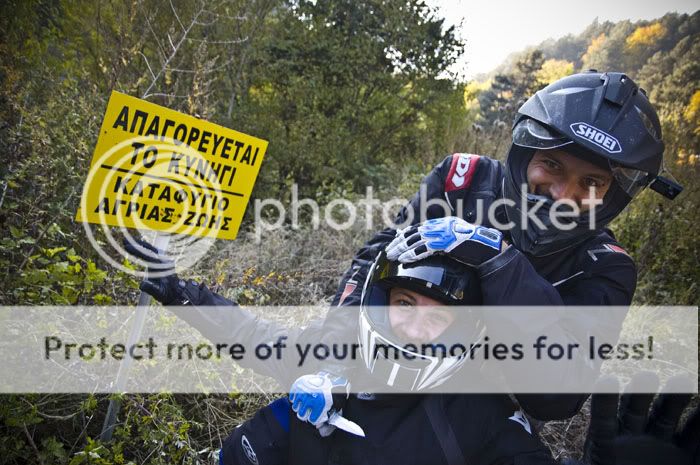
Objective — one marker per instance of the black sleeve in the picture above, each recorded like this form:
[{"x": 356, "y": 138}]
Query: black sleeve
[
  {"x": 504, "y": 450},
  {"x": 510, "y": 279},
  {"x": 500, "y": 436},
  {"x": 609, "y": 280},
  {"x": 223, "y": 321},
  {"x": 262, "y": 439}
]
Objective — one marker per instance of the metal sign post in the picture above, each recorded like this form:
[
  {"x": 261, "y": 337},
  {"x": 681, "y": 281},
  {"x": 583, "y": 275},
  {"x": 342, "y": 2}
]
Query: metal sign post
[{"x": 160, "y": 243}]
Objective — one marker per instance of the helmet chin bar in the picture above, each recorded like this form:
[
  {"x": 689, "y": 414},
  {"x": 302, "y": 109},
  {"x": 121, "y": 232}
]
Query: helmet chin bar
[
  {"x": 411, "y": 368},
  {"x": 404, "y": 370},
  {"x": 416, "y": 367}
]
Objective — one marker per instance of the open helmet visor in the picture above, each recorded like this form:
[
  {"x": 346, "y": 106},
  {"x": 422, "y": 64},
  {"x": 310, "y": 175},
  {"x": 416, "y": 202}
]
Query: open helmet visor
[{"x": 530, "y": 133}]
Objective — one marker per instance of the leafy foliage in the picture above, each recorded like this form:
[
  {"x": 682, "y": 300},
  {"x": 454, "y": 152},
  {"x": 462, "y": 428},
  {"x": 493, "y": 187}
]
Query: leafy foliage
[
  {"x": 347, "y": 85},
  {"x": 349, "y": 93},
  {"x": 645, "y": 36}
]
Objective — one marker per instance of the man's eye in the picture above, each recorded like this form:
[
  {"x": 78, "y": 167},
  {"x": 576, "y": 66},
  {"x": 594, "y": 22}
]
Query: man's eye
[
  {"x": 593, "y": 182},
  {"x": 550, "y": 163},
  {"x": 404, "y": 303}
]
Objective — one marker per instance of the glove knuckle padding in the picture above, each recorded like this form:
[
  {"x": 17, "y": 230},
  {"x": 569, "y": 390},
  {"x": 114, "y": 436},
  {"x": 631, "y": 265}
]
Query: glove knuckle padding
[
  {"x": 412, "y": 239},
  {"x": 665, "y": 413},
  {"x": 408, "y": 257},
  {"x": 421, "y": 250},
  {"x": 633, "y": 412},
  {"x": 689, "y": 437}
]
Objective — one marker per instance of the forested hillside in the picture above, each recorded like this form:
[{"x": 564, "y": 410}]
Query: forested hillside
[{"x": 349, "y": 94}]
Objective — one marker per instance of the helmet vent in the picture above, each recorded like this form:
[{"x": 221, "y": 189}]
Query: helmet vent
[
  {"x": 618, "y": 91},
  {"x": 647, "y": 123}
]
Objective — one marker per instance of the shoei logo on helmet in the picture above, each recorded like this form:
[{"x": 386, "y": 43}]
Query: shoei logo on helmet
[{"x": 598, "y": 137}]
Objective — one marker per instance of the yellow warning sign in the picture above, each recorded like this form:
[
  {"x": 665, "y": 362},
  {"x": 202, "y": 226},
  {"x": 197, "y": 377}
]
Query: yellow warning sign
[{"x": 155, "y": 168}]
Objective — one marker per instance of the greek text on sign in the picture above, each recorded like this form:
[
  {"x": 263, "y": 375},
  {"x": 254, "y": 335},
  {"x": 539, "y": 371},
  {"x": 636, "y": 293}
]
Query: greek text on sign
[{"x": 155, "y": 168}]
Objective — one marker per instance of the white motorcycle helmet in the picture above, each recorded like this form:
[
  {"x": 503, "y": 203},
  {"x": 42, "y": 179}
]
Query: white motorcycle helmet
[{"x": 406, "y": 367}]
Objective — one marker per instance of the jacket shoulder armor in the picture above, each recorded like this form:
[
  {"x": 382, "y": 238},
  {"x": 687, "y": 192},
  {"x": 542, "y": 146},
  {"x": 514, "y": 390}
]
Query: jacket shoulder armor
[
  {"x": 461, "y": 172},
  {"x": 465, "y": 171}
]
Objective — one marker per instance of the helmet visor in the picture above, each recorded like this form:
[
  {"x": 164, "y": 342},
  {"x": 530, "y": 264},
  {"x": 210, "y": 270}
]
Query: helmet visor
[
  {"x": 535, "y": 135},
  {"x": 532, "y": 134},
  {"x": 437, "y": 277},
  {"x": 630, "y": 180}
]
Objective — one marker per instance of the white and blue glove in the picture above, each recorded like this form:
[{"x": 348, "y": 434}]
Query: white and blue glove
[
  {"x": 315, "y": 397},
  {"x": 465, "y": 242}
]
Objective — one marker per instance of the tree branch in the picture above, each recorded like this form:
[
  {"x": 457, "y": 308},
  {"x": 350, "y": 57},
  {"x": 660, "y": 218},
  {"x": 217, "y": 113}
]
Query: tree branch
[
  {"x": 174, "y": 52},
  {"x": 160, "y": 46},
  {"x": 148, "y": 64},
  {"x": 32, "y": 443},
  {"x": 161, "y": 94},
  {"x": 172, "y": 7}
]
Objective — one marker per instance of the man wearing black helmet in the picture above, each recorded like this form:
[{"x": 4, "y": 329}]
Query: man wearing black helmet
[{"x": 582, "y": 148}]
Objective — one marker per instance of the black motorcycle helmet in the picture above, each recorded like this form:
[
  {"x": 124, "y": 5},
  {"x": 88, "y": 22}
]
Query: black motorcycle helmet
[
  {"x": 438, "y": 277},
  {"x": 602, "y": 118}
]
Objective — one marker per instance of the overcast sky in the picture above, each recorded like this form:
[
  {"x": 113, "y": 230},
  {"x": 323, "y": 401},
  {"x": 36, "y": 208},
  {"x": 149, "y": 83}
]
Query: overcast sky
[{"x": 495, "y": 28}]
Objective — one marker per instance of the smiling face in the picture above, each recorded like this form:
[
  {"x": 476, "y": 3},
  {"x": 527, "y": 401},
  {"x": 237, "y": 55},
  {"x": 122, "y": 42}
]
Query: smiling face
[
  {"x": 415, "y": 318},
  {"x": 559, "y": 175}
]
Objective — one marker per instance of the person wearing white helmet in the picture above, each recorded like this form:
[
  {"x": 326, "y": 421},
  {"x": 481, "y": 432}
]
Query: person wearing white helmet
[{"x": 408, "y": 309}]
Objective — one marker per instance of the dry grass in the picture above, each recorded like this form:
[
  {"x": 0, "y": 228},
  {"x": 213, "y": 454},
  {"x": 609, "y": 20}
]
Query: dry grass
[{"x": 565, "y": 438}]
